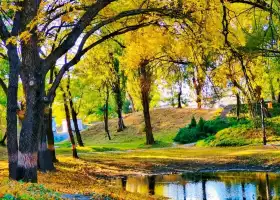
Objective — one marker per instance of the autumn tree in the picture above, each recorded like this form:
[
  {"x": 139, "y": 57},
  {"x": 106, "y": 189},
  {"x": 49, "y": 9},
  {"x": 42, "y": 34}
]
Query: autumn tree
[{"x": 44, "y": 31}]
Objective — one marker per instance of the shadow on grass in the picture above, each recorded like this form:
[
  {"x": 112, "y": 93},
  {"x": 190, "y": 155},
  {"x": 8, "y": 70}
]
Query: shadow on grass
[
  {"x": 104, "y": 149},
  {"x": 158, "y": 144}
]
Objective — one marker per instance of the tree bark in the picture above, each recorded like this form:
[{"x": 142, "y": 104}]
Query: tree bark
[
  {"x": 147, "y": 118},
  {"x": 263, "y": 122},
  {"x": 106, "y": 113},
  {"x": 145, "y": 85},
  {"x": 29, "y": 135},
  {"x": 68, "y": 120},
  {"x": 238, "y": 104},
  {"x": 119, "y": 102},
  {"x": 12, "y": 107},
  {"x": 179, "y": 97},
  {"x": 50, "y": 135},
  {"x": 74, "y": 115},
  {"x": 45, "y": 156},
  {"x": 75, "y": 122}
]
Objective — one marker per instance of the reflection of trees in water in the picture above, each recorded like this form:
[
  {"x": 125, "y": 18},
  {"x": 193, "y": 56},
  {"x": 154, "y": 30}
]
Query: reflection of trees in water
[
  {"x": 204, "y": 189},
  {"x": 152, "y": 184},
  {"x": 267, "y": 186},
  {"x": 258, "y": 185},
  {"x": 243, "y": 191}
]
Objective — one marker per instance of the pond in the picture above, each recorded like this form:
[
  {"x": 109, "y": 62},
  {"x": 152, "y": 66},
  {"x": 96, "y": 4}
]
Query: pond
[{"x": 210, "y": 186}]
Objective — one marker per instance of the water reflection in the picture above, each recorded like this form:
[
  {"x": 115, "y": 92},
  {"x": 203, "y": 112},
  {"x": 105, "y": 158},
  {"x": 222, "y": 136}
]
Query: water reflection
[{"x": 207, "y": 186}]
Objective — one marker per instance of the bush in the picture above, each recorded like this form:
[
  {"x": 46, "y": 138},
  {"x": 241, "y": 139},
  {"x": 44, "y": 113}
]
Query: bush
[
  {"x": 232, "y": 136},
  {"x": 186, "y": 135},
  {"x": 194, "y": 132},
  {"x": 193, "y": 123}
]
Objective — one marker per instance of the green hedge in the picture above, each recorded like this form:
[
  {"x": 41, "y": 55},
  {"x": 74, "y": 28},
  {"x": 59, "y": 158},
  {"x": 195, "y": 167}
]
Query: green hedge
[{"x": 203, "y": 129}]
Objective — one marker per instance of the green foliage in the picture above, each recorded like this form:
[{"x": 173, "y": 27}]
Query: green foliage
[
  {"x": 126, "y": 106},
  {"x": 203, "y": 129},
  {"x": 34, "y": 192},
  {"x": 193, "y": 123},
  {"x": 243, "y": 133},
  {"x": 232, "y": 136}
]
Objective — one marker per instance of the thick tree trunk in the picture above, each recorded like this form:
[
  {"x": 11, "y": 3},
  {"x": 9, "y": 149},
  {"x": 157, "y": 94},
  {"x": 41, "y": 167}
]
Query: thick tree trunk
[
  {"x": 45, "y": 156},
  {"x": 50, "y": 135},
  {"x": 147, "y": 118},
  {"x": 28, "y": 143},
  {"x": 145, "y": 85},
  {"x": 68, "y": 120},
  {"x": 12, "y": 107},
  {"x": 238, "y": 104},
  {"x": 106, "y": 114},
  {"x": 179, "y": 97}
]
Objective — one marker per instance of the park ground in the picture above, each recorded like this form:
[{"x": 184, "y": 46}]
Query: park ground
[{"x": 102, "y": 161}]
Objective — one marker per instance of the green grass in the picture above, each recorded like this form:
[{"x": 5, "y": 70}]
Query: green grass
[
  {"x": 165, "y": 122},
  {"x": 120, "y": 142}
]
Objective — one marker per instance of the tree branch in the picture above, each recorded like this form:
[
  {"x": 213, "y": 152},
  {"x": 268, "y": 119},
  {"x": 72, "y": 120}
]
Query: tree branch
[{"x": 82, "y": 52}]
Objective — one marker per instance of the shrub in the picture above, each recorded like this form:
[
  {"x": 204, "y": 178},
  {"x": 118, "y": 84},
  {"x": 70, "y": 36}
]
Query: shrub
[
  {"x": 186, "y": 135},
  {"x": 193, "y": 123},
  {"x": 232, "y": 136},
  {"x": 203, "y": 129}
]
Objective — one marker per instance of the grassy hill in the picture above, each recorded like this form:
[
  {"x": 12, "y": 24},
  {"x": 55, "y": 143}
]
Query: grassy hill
[{"x": 165, "y": 122}]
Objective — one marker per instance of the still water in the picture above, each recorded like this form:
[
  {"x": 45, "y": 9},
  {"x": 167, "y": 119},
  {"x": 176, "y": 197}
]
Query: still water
[{"x": 210, "y": 186}]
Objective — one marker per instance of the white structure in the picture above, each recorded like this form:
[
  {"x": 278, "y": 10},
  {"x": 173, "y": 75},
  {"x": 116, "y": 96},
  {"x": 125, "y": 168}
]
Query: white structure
[{"x": 65, "y": 128}]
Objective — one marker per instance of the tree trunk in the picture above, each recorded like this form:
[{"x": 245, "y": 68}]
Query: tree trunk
[
  {"x": 106, "y": 113},
  {"x": 199, "y": 103},
  {"x": 50, "y": 136},
  {"x": 45, "y": 156},
  {"x": 75, "y": 122},
  {"x": 119, "y": 102},
  {"x": 132, "y": 102},
  {"x": 68, "y": 120},
  {"x": 74, "y": 115},
  {"x": 263, "y": 123},
  {"x": 145, "y": 85},
  {"x": 12, "y": 107},
  {"x": 179, "y": 97},
  {"x": 238, "y": 104},
  {"x": 147, "y": 118},
  {"x": 29, "y": 135},
  {"x": 278, "y": 100}
]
